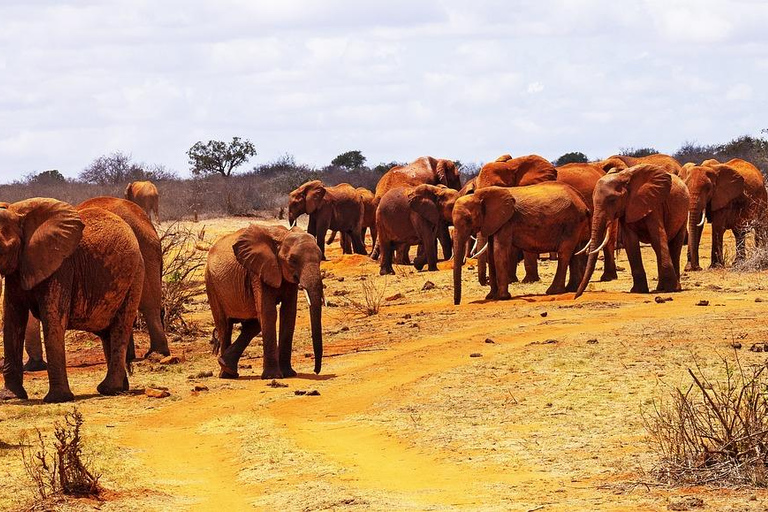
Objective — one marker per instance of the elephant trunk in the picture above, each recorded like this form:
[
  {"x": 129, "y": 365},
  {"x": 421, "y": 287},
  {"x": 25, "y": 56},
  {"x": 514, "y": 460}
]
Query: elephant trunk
[
  {"x": 695, "y": 229},
  {"x": 313, "y": 285},
  {"x": 599, "y": 232},
  {"x": 460, "y": 238}
]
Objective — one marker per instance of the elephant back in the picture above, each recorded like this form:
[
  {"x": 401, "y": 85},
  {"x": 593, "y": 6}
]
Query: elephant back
[{"x": 516, "y": 172}]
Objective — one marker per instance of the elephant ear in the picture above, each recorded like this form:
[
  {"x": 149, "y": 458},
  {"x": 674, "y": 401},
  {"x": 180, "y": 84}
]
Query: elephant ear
[
  {"x": 256, "y": 249},
  {"x": 446, "y": 173},
  {"x": 728, "y": 187},
  {"x": 315, "y": 197},
  {"x": 497, "y": 207},
  {"x": 534, "y": 169},
  {"x": 51, "y": 231},
  {"x": 504, "y": 158},
  {"x": 129, "y": 192},
  {"x": 611, "y": 163},
  {"x": 422, "y": 201},
  {"x": 649, "y": 186}
]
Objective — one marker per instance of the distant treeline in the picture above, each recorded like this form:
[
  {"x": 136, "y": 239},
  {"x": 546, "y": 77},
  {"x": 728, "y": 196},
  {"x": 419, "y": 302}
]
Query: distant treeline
[{"x": 266, "y": 186}]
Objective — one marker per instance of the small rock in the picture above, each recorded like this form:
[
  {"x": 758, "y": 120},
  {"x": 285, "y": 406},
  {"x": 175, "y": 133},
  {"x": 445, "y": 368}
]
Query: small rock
[
  {"x": 549, "y": 404},
  {"x": 314, "y": 392},
  {"x": 308, "y": 355},
  {"x": 686, "y": 503},
  {"x": 276, "y": 384},
  {"x": 471, "y": 267},
  {"x": 200, "y": 375},
  {"x": 407, "y": 316},
  {"x": 170, "y": 360},
  {"x": 200, "y": 387},
  {"x": 757, "y": 347},
  {"x": 593, "y": 341},
  {"x": 758, "y": 299},
  {"x": 475, "y": 354},
  {"x": 543, "y": 313},
  {"x": 662, "y": 300},
  {"x": 429, "y": 285},
  {"x": 340, "y": 279},
  {"x": 550, "y": 342},
  {"x": 736, "y": 345},
  {"x": 300, "y": 392},
  {"x": 246, "y": 366},
  {"x": 703, "y": 303},
  {"x": 156, "y": 393},
  {"x": 396, "y": 296},
  {"x": 344, "y": 329},
  {"x": 489, "y": 340}
]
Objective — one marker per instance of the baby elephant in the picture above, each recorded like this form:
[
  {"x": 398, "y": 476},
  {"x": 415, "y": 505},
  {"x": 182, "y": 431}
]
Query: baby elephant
[{"x": 248, "y": 274}]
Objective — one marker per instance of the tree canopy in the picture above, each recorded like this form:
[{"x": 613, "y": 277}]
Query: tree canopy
[
  {"x": 638, "y": 152},
  {"x": 570, "y": 158},
  {"x": 350, "y": 160},
  {"x": 219, "y": 157}
]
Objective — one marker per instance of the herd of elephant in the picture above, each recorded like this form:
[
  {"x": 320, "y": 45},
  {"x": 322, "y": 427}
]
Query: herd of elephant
[{"x": 94, "y": 266}]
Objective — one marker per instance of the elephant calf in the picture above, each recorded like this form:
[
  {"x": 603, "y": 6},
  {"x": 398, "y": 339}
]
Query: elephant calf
[{"x": 247, "y": 275}]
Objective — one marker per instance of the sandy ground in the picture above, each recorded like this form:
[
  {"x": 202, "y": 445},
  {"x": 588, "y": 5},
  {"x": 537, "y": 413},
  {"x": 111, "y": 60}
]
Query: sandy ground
[{"x": 529, "y": 404}]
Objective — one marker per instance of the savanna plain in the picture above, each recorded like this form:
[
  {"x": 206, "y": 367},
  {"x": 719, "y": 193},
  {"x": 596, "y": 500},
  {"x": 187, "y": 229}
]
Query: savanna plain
[{"x": 535, "y": 403}]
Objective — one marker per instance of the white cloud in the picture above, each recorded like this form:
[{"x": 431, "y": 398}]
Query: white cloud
[
  {"x": 739, "y": 92},
  {"x": 535, "y": 87}
]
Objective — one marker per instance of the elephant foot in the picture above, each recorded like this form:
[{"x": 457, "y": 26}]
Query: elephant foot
[
  {"x": 608, "y": 276},
  {"x": 692, "y": 268},
  {"x": 35, "y": 365},
  {"x": 57, "y": 396},
  {"x": 9, "y": 393},
  {"x": 272, "y": 373},
  {"x": 531, "y": 279},
  {"x": 432, "y": 268},
  {"x": 227, "y": 371},
  {"x": 383, "y": 271},
  {"x": 492, "y": 295},
  {"x": 288, "y": 372},
  {"x": 483, "y": 280},
  {"x": 716, "y": 266},
  {"x": 107, "y": 389},
  {"x": 555, "y": 290},
  {"x": 503, "y": 296},
  {"x": 639, "y": 289}
]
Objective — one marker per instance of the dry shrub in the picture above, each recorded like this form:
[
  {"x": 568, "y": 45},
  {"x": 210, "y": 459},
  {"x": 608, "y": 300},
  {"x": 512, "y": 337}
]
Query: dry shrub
[
  {"x": 182, "y": 261},
  {"x": 713, "y": 432},
  {"x": 372, "y": 298},
  {"x": 60, "y": 468}
]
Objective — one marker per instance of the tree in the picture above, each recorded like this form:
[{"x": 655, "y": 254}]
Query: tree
[
  {"x": 113, "y": 169},
  {"x": 218, "y": 157},
  {"x": 638, "y": 152},
  {"x": 384, "y": 167},
  {"x": 571, "y": 158},
  {"x": 349, "y": 160},
  {"x": 50, "y": 177}
]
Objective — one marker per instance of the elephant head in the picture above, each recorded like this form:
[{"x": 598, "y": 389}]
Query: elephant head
[
  {"x": 305, "y": 199},
  {"x": 276, "y": 254},
  {"x": 486, "y": 210},
  {"x": 617, "y": 162},
  {"x": 36, "y": 236},
  {"x": 434, "y": 203},
  {"x": 514, "y": 172},
  {"x": 629, "y": 195},
  {"x": 712, "y": 186},
  {"x": 448, "y": 174}
]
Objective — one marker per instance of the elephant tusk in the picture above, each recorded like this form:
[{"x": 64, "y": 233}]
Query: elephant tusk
[
  {"x": 474, "y": 247},
  {"x": 481, "y": 251},
  {"x": 583, "y": 250},
  {"x": 605, "y": 241},
  {"x": 306, "y": 294},
  {"x": 291, "y": 225},
  {"x": 325, "y": 302},
  {"x": 703, "y": 218}
]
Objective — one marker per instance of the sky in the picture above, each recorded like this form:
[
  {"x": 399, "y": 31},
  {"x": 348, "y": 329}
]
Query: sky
[{"x": 458, "y": 79}]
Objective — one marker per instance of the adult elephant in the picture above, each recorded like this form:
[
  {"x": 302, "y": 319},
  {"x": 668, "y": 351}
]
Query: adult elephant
[
  {"x": 425, "y": 170},
  {"x": 150, "y": 304},
  {"x": 666, "y": 162},
  {"x": 369, "y": 221},
  {"x": 732, "y": 196},
  {"x": 651, "y": 206},
  {"x": 583, "y": 177},
  {"x": 144, "y": 194},
  {"x": 338, "y": 208},
  {"x": 247, "y": 275},
  {"x": 537, "y": 218},
  {"x": 506, "y": 171},
  {"x": 414, "y": 216},
  {"x": 73, "y": 269}
]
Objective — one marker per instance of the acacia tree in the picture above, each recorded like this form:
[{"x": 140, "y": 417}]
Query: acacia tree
[
  {"x": 572, "y": 157},
  {"x": 350, "y": 160},
  {"x": 219, "y": 157}
]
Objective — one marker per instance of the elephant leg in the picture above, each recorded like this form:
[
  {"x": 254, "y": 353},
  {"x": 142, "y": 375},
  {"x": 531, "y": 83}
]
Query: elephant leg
[
  {"x": 116, "y": 380},
  {"x": 33, "y": 344},
  {"x": 444, "y": 236},
  {"x": 482, "y": 262},
  {"x": 312, "y": 226},
  {"x": 53, "y": 334},
  {"x": 322, "y": 228},
  {"x": 374, "y": 238},
  {"x": 223, "y": 334},
  {"x": 668, "y": 281},
  {"x": 130, "y": 353},
  {"x": 357, "y": 243},
  {"x": 515, "y": 256},
  {"x": 230, "y": 358},
  {"x": 675, "y": 250},
  {"x": 740, "y": 234},
  {"x": 717, "y": 259},
  {"x": 501, "y": 265},
  {"x": 632, "y": 246},
  {"x": 269, "y": 337},
  {"x": 287, "y": 327},
  {"x": 14, "y": 324},
  {"x": 421, "y": 257},
  {"x": 530, "y": 260},
  {"x": 494, "y": 293},
  {"x": 346, "y": 245},
  {"x": 402, "y": 257},
  {"x": 558, "y": 283},
  {"x": 609, "y": 257},
  {"x": 387, "y": 248},
  {"x": 158, "y": 342},
  {"x": 577, "y": 267}
]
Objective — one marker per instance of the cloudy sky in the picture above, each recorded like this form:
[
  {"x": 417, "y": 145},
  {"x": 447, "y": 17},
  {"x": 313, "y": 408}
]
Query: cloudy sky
[{"x": 397, "y": 79}]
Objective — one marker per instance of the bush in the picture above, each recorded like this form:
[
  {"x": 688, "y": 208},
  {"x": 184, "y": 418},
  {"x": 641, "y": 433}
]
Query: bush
[
  {"x": 713, "y": 432},
  {"x": 638, "y": 152},
  {"x": 373, "y": 297},
  {"x": 570, "y": 158}
]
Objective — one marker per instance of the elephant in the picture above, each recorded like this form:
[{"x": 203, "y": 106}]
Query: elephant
[
  {"x": 369, "y": 221},
  {"x": 73, "y": 269},
  {"x": 651, "y": 206},
  {"x": 248, "y": 273},
  {"x": 668, "y": 163},
  {"x": 506, "y": 171},
  {"x": 150, "y": 305},
  {"x": 144, "y": 194},
  {"x": 535, "y": 218},
  {"x": 411, "y": 216},
  {"x": 425, "y": 170},
  {"x": 732, "y": 196},
  {"x": 338, "y": 208}
]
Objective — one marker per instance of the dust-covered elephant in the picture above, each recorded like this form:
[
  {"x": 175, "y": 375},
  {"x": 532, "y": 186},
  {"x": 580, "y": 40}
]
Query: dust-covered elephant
[
  {"x": 369, "y": 221},
  {"x": 247, "y": 275},
  {"x": 547, "y": 217},
  {"x": 338, "y": 208},
  {"x": 73, "y": 269},
  {"x": 144, "y": 194},
  {"x": 651, "y": 206},
  {"x": 666, "y": 162},
  {"x": 732, "y": 196},
  {"x": 150, "y": 305}
]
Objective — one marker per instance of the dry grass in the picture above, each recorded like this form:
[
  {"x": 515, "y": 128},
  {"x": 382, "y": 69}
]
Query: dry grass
[{"x": 371, "y": 297}]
